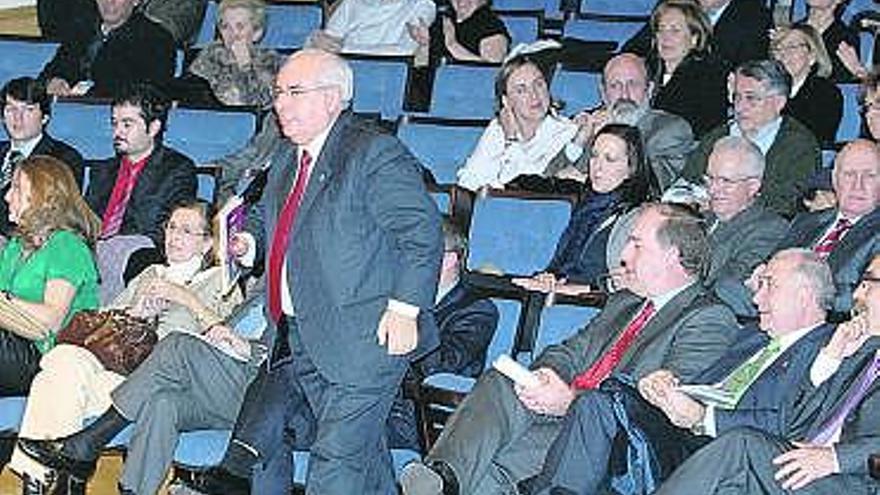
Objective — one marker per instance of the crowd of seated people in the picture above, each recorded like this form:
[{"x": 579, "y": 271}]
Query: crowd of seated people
[{"x": 738, "y": 125}]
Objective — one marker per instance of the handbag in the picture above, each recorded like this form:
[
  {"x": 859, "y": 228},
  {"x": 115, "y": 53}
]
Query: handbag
[{"x": 119, "y": 340}]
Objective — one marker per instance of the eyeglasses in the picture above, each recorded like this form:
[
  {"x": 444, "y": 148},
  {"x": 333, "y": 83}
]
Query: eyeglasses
[
  {"x": 294, "y": 91},
  {"x": 719, "y": 181},
  {"x": 749, "y": 98},
  {"x": 776, "y": 50},
  {"x": 172, "y": 228}
]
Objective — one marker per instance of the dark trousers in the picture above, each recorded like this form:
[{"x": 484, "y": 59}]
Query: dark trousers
[{"x": 19, "y": 364}]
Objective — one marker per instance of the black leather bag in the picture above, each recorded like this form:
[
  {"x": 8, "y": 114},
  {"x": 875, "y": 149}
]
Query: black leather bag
[{"x": 119, "y": 341}]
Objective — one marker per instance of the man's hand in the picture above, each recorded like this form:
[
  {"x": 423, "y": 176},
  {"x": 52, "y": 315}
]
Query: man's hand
[
  {"x": 552, "y": 396},
  {"x": 588, "y": 123},
  {"x": 656, "y": 386},
  {"x": 805, "y": 464},
  {"x": 848, "y": 337},
  {"x": 222, "y": 334},
  {"x": 419, "y": 32},
  {"x": 239, "y": 245},
  {"x": 850, "y": 59},
  {"x": 58, "y": 87},
  {"x": 400, "y": 332},
  {"x": 545, "y": 282}
]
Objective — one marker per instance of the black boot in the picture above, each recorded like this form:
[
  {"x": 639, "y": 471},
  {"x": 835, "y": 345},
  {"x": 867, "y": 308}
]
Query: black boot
[
  {"x": 31, "y": 486},
  {"x": 77, "y": 454},
  {"x": 67, "y": 484}
]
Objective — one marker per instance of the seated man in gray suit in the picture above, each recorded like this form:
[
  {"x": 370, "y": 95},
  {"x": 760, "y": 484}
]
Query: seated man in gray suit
[
  {"x": 759, "y": 92},
  {"x": 753, "y": 384},
  {"x": 626, "y": 99},
  {"x": 839, "y": 431},
  {"x": 501, "y": 432},
  {"x": 847, "y": 236},
  {"x": 743, "y": 232}
]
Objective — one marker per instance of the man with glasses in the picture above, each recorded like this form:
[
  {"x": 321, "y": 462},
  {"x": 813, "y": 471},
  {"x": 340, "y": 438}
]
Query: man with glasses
[
  {"x": 26, "y": 112},
  {"x": 742, "y": 231},
  {"x": 847, "y": 236},
  {"x": 754, "y": 384},
  {"x": 626, "y": 99},
  {"x": 759, "y": 92},
  {"x": 832, "y": 445}
]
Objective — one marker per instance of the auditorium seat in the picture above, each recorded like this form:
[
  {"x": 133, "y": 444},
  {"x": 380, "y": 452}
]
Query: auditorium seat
[
  {"x": 23, "y": 57},
  {"x": 288, "y": 25},
  {"x": 590, "y": 29},
  {"x": 379, "y": 84},
  {"x": 464, "y": 91},
  {"x": 441, "y": 145},
  {"x": 576, "y": 90},
  {"x": 85, "y": 125},
  {"x": 205, "y": 135}
]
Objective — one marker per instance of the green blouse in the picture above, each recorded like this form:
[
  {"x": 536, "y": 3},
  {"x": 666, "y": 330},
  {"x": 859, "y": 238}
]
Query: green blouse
[{"x": 64, "y": 256}]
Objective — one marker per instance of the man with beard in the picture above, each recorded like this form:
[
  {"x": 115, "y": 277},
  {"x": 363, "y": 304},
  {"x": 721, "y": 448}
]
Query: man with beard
[{"x": 626, "y": 95}]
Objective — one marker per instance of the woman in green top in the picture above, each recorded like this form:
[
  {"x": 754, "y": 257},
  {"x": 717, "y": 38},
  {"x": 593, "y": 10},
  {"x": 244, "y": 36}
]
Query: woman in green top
[{"x": 46, "y": 269}]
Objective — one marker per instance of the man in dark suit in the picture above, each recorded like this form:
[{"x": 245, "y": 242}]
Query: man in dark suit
[
  {"x": 756, "y": 381},
  {"x": 501, "y": 433},
  {"x": 26, "y": 112},
  {"x": 354, "y": 250},
  {"x": 847, "y": 236},
  {"x": 122, "y": 48},
  {"x": 743, "y": 233},
  {"x": 829, "y": 451},
  {"x": 134, "y": 191},
  {"x": 760, "y": 91}
]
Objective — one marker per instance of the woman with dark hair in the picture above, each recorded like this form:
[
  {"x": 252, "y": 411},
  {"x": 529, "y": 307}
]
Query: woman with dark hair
[
  {"x": 690, "y": 79},
  {"x": 619, "y": 180},
  {"x": 47, "y": 269},
  {"x": 815, "y": 100},
  {"x": 526, "y": 134},
  {"x": 471, "y": 32}
]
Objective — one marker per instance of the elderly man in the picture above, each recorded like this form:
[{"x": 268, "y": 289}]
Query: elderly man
[
  {"x": 500, "y": 434},
  {"x": 753, "y": 384},
  {"x": 743, "y": 233},
  {"x": 124, "y": 47},
  {"x": 848, "y": 236},
  {"x": 626, "y": 95},
  {"x": 831, "y": 455},
  {"x": 759, "y": 91}
]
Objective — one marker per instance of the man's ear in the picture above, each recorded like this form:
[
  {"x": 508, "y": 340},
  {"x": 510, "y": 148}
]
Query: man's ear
[{"x": 154, "y": 128}]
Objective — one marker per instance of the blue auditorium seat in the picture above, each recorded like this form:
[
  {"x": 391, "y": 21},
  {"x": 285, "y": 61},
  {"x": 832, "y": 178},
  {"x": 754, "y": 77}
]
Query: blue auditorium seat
[
  {"x": 588, "y": 29},
  {"x": 11, "y": 412},
  {"x": 85, "y": 126},
  {"x": 22, "y": 57},
  {"x": 441, "y": 145},
  {"x": 205, "y": 135},
  {"x": 577, "y": 90},
  {"x": 517, "y": 5},
  {"x": 288, "y": 25},
  {"x": 464, "y": 91},
  {"x": 208, "y": 27},
  {"x": 523, "y": 26},
  {"x": 560, "y": 321},
  {"x": 617, "y": 8},
  {"x": 851, "y": 122},
  {"x": 379, "y": 84}
]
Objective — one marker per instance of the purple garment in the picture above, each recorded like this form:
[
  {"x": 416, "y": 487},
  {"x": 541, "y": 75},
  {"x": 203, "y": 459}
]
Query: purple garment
[{"x": 855, "y": 395}]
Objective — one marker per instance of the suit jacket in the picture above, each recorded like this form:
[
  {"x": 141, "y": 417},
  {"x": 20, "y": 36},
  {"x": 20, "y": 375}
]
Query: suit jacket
[
  {"x": 139, "y": 50},
  {"x": 773, "y": 398},
  {"x": 46, "y": 146},
  {"x": 465, "y": 324},
  {"x": 697, "y": 91},
  {"x": 819, "y": 106},
  {"x": 685, "y": 336},
  {"x": 791, "y": 160},
  {"x": 851, "y": 255},
  {"x": 738, "y": 246},
  {"x": 168, "y": 178},
  {"x": 366, "y": 231}
]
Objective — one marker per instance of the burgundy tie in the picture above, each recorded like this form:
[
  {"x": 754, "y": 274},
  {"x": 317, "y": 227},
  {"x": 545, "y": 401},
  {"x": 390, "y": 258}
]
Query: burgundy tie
[
  {"x": 601, "y": 369},
  {"x": 827, "y": 244},
  {"x": 281, "y": 236}
]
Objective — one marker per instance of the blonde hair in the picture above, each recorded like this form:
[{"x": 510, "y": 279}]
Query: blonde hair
[
  {"x": 55, "y": 204},
  {"x": 257, "y": 9},
  {"x": 814, "y": 43}
]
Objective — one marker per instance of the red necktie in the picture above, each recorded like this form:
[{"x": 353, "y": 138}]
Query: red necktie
[
  {"x": 601, "y": 369},
  {"x": 281, "y": 236},
  {"x": 116, "y": 206},
  {"x": 827, "y": 244}
]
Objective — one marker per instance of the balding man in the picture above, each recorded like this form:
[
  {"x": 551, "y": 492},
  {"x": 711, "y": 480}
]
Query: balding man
[
  {"x": 754, "y": 384},
  {"x": 743, "y": 232},
  {"x": 848, "y": 236},
  {"x": 626, "y": 96}
]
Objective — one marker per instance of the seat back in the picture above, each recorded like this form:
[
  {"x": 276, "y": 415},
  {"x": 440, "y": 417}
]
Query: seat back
[
  {"x": 85, "y": 125},
  {"x": 208, "y": 177},
  {"x": 464, "y": 91},
  {"x": 576, "y": 90},
  {"x": 851, "y": 122},
  {"x": 618, "y": 9},
  {"x": 523, "y": 26},
  {"x": 209, "y": 25},
  {"x": 205, "y": 135},
  {"x": 559, "y": 322},
  {"x": 288, "y": 25},
  {"x": 379, "y": 84},
  {"x": 22, "y": 57},
  {"x": 590, "y": 29},
  {"x": 441, "y": 145}
]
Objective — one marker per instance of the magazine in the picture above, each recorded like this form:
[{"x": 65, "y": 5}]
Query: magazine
[{"x": 231, "y": 221}]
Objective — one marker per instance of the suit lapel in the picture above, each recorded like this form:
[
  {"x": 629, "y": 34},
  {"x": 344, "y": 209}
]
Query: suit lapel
[
  {"x": 662, "y": 321},
  {"x": 866, "y": 227}
]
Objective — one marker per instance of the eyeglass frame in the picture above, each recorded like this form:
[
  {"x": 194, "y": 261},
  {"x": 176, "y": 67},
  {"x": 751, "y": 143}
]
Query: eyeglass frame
[
  {"x": 171, "y": 228},
  {"x": 294, "y": 91},
  {"x": 726, "y": 182}
]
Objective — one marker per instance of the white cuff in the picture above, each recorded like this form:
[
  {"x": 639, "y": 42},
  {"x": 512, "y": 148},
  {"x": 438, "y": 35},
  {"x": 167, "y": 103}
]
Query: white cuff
[
  {"x": 403, "y": 308},
  {"x": 823, "y": 367},
  {"x": 709, "y": 421}
]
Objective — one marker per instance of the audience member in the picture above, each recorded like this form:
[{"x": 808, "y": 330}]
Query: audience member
[
  {"x": 743, "y": 232},
  {"x": 826, "y": 18},
  {"x": 815, "y": 100},
  {"x": 26, "y": 112},
  {"x": 626, "y": 95},
  {"x": 238, "y": 71},
  {"x": 470, "y": 32},
  {"x": 833, "y": 440},
  {"x": 124, "y": 47},
  {"x": 374, "y": 27},
  {"x": 739, "y": 30},
  {"x": 688, "y": 77},
  {"x": 181, "y": 18},
  {"x": 759, "y": 92},
  {"x": 619, "y": 180},
  {"x": 186, "y": 294},
  {"x": 848, "y": 236},
  {"x": 754, "y": 384},
  {"x": 135, "y": 190},
  {"x": 501, "y": 433},
  {"x": 526, "y": 134},
  {"x": 46, "y": 269}
]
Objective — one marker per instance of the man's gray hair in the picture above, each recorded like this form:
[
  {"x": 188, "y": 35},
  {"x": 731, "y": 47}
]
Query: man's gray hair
[
  {"x": 814, "y": 272},
  {"x": 771, "y": 72},
  {"x": 751, "y": 160},
  {"x": 335, "y": 71}
]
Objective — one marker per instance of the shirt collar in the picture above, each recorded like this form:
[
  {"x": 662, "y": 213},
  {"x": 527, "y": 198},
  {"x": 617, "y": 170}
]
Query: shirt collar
[
  {"x": 765, "y": 136},
  {"x": 661, "y": 300},
  {"x": 26, "y": 147},
  {"x": 716, "y": 14},
  {"x": 789, "y": 339},
  {"x": 315, "y": 146},
  {"x": 135, "y": 166}
]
